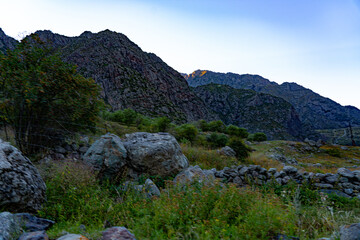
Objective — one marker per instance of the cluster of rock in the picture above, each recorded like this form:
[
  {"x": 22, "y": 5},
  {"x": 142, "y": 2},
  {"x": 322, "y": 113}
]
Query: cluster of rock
[
  {"x": 23, "y": 226},
  {"x": 70, "y": 150},
  {"x": 344, "y": 182},
  {"x": 139, "y": 153}
]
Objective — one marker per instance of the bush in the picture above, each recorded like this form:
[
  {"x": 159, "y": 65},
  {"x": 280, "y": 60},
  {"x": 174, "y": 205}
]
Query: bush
[
  {"x": 217, "y": 140},
  {"x": 162, "y": 123},
  {"x": 334, "y": 152},
  {"x": 241, "y": 149},
  {"x": 259, "y": 137},
  {"x": 236, "y": 131},
  {"x": 203, "y": 125},
  {"x": 216, "y": 126},
  {"x": 186, "y": 131}
]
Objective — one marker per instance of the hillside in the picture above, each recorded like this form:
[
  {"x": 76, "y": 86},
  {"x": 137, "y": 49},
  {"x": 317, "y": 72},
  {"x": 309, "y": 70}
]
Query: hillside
[
  {"x": 257, "y": 112},
  {"x": 129, "y": 77},
  {"x": 315, "y": 111},
  {"x": 6, "y": 42}
]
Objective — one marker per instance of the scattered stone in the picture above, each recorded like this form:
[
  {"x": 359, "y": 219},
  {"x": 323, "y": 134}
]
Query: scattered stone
[
  {"x": 72, "y": 237},
  {"x": 155, "y": 154},
  {"x": 108, "y": 156},
  {"x": 345, "y": 173},
  {"x": 117, "y": 233},
  {"x": 227, "y": 151},
  {"x": 31, "y": 223},
  {"x": 194, "y": 173},
  {"x": 39, "y": 235},
  {"x": 350, "y": 232},
  {"x": 21, "y": 187}
]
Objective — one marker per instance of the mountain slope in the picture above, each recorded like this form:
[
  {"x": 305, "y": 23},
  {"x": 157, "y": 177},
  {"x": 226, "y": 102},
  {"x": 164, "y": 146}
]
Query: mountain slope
[
  {"x": 6, "y": 42},
  {"x": 315, "y": 111},
  {"x": 257, "y": 112},
  {"x": 129, "y": 77}
]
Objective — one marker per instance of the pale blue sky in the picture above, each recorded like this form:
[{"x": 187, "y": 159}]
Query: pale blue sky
[{"x": 315, "y": 43}]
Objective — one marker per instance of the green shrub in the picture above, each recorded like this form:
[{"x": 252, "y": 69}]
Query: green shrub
[
  {"x": 216, "y": 126},
  {"x": 162, "y": 123},
  {"x": 203, "y": 125},
  {"x": 236, "y": 131},
  {"x": 334, "y": 152},
  {"x": 241, "y": 149},
  {"x": 129, "y": 116},
  {"x": 187, "y": 131},
  {"x": 217, "y": 140},
  {"x": 259, "y": 137}
]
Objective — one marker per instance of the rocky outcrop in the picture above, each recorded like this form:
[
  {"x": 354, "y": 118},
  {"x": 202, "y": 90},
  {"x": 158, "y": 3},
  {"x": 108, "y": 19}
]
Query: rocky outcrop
[
  {"x": 117, "y": 233},
  {"x": 315, "y": 111},
  {"x": 227, "y": 151},
  {"x": 23, "y": 226},
  {"x": 345, "y": 181},
  {"x": 107, "y": 156},
  {"x": 257, "y": 112},
  {"x": 21, "y": 186},
  {"x": 129, "y": 77},
  {"x": 154, "y": 154},
  {"x": 6, "y": 42}
]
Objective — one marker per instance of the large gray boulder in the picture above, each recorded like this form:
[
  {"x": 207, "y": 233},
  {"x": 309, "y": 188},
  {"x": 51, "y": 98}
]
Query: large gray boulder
[
  {"x": 195, "y": 174},
  {"x": 107, "y": 155},
  {"x": 21, "y": 187},
  {"x": 154, "y": 154}
]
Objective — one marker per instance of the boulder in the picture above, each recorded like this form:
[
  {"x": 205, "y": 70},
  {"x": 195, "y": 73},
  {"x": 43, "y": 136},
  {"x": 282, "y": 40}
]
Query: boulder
[
  {"x": 195, "y": 173},
  {"x": 345, "y": 173},
  {"x": 9, "y": 227},
  {"x": 154, "y": 154},
  {"x": 21, "y": 187},
  {"x": 151, "y": 189},
  {"x": 350, "y": 232},
  {"x": 107, "y": 155},
  {"x": 117, "y": 233},
  {"x": 227, "y": 151}
]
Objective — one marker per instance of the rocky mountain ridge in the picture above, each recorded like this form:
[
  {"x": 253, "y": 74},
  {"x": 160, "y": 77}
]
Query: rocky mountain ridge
[
  {"x": 257, "y": 112},
  {"x": 315, "y": 111},
  {"x": 6, "y": 42}
]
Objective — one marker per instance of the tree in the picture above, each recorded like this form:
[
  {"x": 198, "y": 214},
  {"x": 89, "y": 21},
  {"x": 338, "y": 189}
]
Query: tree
[
  {"x": 43, "y": 98},
  {"x": 187, "y": 131}
]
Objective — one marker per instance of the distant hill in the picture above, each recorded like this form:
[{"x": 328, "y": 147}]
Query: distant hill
[
  {"x": 257, "y": 112},
  {"x": 315, "y": 111},
  {"x": 6, "y": 42},
  {"x": 129, "y": 77}
]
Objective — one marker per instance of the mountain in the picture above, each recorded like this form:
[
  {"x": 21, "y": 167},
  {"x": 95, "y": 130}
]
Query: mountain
[
  {"x": 6, "y": 42},
  {"x": 315, "y": 111},
  {"x": 130, "y": 77},
  {"x": 257, "y": 112}
]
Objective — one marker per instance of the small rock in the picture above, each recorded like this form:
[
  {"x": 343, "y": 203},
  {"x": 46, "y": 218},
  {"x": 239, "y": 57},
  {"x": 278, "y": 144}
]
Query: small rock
[
  {"x": 195, "y": 173},
  {"x": 324, "y": 185},
  {"x": 272, "y": 171},
  {"x": 345, "y": 173},
  {"x": 61, "y": 150},
  {"x": 227, "y": 151},
  {"x": 33, "y": 224},
  {"x": 151, "y": 189},
  {"x": 348, "y": 191},
  {"x": 39, "y": 235},
  {"x": 117, "y": 233},
  {"x": 334, "y": 191},
  {"x": 290, "y": 170},
  {"x": 73, "y": 237}
]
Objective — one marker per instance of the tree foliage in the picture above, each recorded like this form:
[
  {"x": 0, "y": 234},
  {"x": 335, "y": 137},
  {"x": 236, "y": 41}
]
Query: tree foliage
[{"x": 42, "y": 98}]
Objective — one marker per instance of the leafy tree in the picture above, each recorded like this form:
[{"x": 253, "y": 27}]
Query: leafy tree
[
  {"x": 43, "y": 98},
  {"x": 236, "y": 131}
]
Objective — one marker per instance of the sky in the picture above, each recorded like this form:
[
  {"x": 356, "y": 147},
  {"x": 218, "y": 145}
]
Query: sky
[{"x": 315, "y": 43}]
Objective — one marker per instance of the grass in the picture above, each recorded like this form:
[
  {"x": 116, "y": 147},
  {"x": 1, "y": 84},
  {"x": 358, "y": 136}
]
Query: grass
[
  {"x": 75, "y": 197},
  {"x": 207, "y": 158},
  {"x": 330, "y": 157}
]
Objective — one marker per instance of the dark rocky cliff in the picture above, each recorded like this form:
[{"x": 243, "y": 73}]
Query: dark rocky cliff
[
  {"x": 257, "y": 112},
  {"x": 6, "y": 42},
  {"x": 315, "y": 111}
]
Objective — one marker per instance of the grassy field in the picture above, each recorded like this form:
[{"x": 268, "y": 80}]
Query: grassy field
[{"x": 341, "y": 136}]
